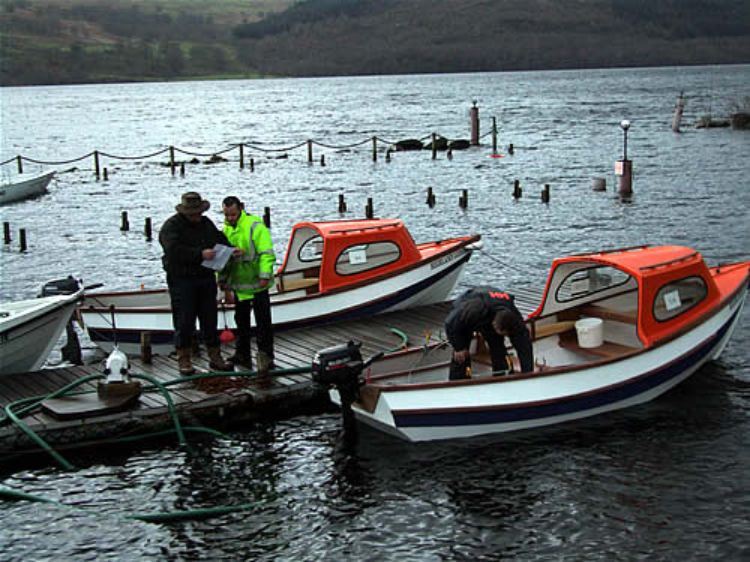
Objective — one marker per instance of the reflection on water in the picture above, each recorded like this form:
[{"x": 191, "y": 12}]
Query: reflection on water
[{"x": 666, "y": 480}]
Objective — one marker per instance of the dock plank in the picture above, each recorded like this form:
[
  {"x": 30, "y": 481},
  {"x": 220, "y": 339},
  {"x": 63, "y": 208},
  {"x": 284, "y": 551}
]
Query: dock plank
[{"x": 293, "y": 349}]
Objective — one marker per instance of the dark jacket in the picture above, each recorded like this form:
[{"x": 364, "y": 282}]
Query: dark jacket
[
  {"x": 474, "y": 311},
  {"x": 183, "y": 242}
]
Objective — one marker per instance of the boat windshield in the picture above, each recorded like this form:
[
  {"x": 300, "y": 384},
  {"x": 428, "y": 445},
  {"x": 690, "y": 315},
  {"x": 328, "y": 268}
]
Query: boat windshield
[{"x": 584, "y": 282}]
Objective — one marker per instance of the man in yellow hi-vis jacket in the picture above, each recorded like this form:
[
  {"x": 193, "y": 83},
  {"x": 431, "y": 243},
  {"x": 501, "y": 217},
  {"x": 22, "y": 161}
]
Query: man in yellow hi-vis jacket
[{"x": 246, "y": 280}]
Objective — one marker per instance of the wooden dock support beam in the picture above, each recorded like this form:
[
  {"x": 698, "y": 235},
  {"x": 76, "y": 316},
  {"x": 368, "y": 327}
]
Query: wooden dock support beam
[
  {"x": 342, "y": 203},
  {"x": 463, "y": 199},
  {"x": 369, "y": 211},
  {"x": 171, "y": 159},
  {"x": 124, "y": 224},
  {"x": 147, "y": 229},
  {"x": 22, "y": 236},
  {"x": 374, "y": 149},
  {"x": 309, "y": 152},
  {"x": 19, "y": 161},
  {"x": 242, "y": 156},
  {"x": 267, "y": 216},
  {"x": 6, "y": 232}
]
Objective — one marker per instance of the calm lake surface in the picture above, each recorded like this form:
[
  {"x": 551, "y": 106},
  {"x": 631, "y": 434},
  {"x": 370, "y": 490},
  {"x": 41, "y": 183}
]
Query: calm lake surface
[{"x": 669, "y": 480}]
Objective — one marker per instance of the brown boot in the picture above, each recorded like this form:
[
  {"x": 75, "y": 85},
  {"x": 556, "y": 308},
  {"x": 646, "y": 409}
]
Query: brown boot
[
  {"x": 183, "y": 361},
  {"x": 216, "y": 362}
]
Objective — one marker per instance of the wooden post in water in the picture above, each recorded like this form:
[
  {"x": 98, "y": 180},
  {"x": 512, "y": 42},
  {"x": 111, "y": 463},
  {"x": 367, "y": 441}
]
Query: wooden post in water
[
  {"x": 342, "y": 203},
  {"x": 545, "y": 193},
  {"x": 474, "y": 112},
  {"x": 517, "y": 191},
  {"x": 22, "y": 236},
  {"x": 463, "y": 199},
  {"x": 252, "y": 164},
  {"x": 678, "y": 109},
  {"x": 6, "y": 232},
  {"x": 369, "y": 212},
  {"x": 322, "y": 159},
  {"x": 106, "y": 175},
  {"x": 374, "y": 149},
  {"x": 494, "y": 136},
  {"x": 19, "y": 161},
  {"x": 267, "y": 216},
  {"x": 96, "y": 164},
  {"x": 309, "y": 152},
  {"x": 124, "y": 224},
  {"x": 430, "y": 198},
  {"x": 171, "y": 159},
  {"x": 510, "y": 149},
  {"x": 242, "y": 156},
  {"x": 434, "y": 146},
  {"x": 182, "y": 169},
  {"x": 147, "y": 229}
]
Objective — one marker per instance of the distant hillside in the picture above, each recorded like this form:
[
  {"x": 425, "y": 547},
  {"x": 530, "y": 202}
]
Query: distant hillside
[{"x": 67, "y": 41}]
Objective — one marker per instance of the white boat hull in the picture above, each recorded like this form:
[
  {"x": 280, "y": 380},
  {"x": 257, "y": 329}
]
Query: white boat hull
[
  {"x": 460, "y": 409},
  {"x": 24, "y": 189},
  {"x": 30, "y": 329},
  {"x": 149, "y": 311}
]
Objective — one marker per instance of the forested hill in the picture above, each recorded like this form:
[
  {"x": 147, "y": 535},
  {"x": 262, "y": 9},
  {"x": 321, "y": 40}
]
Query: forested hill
[{"x": 70, "y": 41}]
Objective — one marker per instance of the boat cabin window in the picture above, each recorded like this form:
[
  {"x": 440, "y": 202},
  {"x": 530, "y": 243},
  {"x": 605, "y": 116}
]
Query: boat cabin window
[
  {"x": 585, "y": 282},
  {"x": 311, "y": 250},
  {"x": 364, "y": 257},
  {"x": 679, "y": 296}
]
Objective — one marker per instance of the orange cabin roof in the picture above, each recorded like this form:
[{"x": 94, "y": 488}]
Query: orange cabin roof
[{"x": 652, "y": 268}]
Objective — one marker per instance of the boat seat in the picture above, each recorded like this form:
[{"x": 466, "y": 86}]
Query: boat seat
[
  {"x": 294, "y": 284},
  {"x": 607, "y": 350}
]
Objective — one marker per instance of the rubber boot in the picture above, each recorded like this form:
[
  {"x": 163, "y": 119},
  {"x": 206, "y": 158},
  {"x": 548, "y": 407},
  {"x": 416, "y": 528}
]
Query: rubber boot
[
  {"x": 216, "y": 362},
  {"x": 183, "y": 361},
  {"x": 264, "y": 366}
]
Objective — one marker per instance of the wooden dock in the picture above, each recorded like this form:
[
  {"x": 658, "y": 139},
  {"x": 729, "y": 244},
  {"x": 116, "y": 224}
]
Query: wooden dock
[{"x": 211, "y": 402}]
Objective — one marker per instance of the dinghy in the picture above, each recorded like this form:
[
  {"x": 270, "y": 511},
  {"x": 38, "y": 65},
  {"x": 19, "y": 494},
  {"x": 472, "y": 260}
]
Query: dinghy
[
  {"x": 332, "y": 270},
  {"x": 614, "y": 329}
]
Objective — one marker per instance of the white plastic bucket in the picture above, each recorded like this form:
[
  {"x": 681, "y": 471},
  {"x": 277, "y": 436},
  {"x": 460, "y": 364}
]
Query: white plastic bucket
[{"x": 590, "y": 332}]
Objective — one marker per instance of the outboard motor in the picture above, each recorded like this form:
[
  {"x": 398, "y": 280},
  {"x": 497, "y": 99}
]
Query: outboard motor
[
  {"x": 66, "y": 286},
  {"x": 342, "y": 366},
  {"x": 71, "y": 351}
]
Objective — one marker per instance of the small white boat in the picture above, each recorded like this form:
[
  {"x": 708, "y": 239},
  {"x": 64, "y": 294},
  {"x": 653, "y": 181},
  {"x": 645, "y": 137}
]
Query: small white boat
[
  {"x": 29, "y": 329},
  {"x": 24, "y": 188},
  {"x": 614, "y": 329},
  {"x": 332, "y": 270}
]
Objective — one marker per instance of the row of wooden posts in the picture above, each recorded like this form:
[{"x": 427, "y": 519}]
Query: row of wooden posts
[{"x": 463, "y": 203}]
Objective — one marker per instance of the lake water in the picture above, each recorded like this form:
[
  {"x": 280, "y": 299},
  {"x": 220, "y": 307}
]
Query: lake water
[{"x": 667, "y": 480}]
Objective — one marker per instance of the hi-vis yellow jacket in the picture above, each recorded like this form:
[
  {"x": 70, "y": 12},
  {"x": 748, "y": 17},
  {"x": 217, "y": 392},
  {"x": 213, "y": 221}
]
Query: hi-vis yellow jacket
[{"x": 242, "y": 274}]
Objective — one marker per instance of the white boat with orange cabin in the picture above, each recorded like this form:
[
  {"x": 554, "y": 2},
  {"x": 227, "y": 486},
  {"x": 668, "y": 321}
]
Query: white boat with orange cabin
[
  {"x": 614, "y": 329},
  {"x": 332, "y": 270}
]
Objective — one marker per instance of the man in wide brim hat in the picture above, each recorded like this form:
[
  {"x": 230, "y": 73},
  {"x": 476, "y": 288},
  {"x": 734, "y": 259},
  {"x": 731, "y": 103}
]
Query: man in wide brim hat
[
  {"x": 192, "y": 204},
  {"x": 188, "y": 238}
]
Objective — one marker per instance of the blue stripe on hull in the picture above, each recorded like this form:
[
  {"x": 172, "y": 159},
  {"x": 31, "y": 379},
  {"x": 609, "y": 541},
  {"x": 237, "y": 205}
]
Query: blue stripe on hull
[
  {"x": 605, "y": 397},
  {"x": 364, "y": 311}
]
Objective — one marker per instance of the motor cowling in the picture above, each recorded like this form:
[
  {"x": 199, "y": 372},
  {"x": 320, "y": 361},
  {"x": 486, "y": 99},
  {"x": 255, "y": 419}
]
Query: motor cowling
[
  {"x": 66, "y": 286},
  {"x": 338, "y": 365}
]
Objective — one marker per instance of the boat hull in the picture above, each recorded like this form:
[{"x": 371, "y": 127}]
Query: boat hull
[
  {"x": 30, "y": 329},
  {"x": 452, "y": 410},
  {"x": 428, "y": 283},
  {"x": 25, "y": 189}
]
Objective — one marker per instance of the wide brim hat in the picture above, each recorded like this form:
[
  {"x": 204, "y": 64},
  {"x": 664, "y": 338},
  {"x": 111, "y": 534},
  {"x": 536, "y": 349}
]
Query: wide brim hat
[{"x": 192, "y": 204}]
